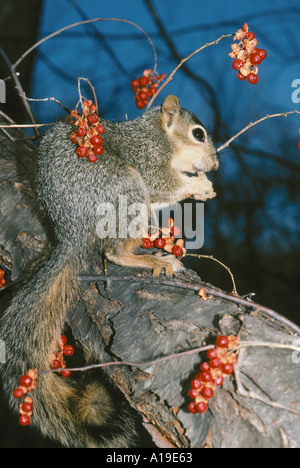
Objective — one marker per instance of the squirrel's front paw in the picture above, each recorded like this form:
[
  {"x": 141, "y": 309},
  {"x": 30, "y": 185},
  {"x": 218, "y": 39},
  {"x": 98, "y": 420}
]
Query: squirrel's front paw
[
  {"x": 169, "y": 263},
  {"x": 205, "y": 188}
]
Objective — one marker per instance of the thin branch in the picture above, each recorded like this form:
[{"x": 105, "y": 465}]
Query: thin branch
[
  {"x": 170, "y": 77},
  {"x": 133, "y": 364},
  {"x": 6, "y": 117},
  {"x": 66, "y": 109},
  {"x": 19, "y": 88},
  {"x": 252, "y": 124},
  {"x": 80, "y": 23},
  {"x": 26, "y": 125},
  {"x": 81, "y": 98},
  {"x": 196, "y": 287},
  {"x": 210, "y": 257}
]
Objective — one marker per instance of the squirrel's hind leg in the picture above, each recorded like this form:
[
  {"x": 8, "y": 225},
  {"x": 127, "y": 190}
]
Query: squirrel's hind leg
[{"x": 124, "y": 255}]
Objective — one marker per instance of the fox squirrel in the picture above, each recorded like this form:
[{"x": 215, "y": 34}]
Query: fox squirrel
[{"x": 150, "y": 160}]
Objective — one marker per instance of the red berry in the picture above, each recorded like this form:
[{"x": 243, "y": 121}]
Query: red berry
[
  {"x": 135, "y": 83},
  {"x": 96, "y": 140},
  {"x": 262, "y": 53},
  {"x": 237, "y": 64},
  {"x": 252, "y": 78},
  {"x": 66, "y": 374},
  {"x": 147, "y": 243},
  {"x": 24, "y": 420},
  {"x": 255, "y": 59},
  {"x": 18, "y": 393},
  {"x": 160, "y": 243},
  {"x": 250, "y": 36},
  {"x": 143, "y": 96},
  {"x": 56, "y": 364},
  {"x": 206, "y": 377},
  {"x": 81, "y": 131},
  {"x": 144, "y": 80},
  {"x": 140, "y": 104},
  {"x": 193, "y": 393},
  {"x": 93, "y": 118},
  {"x": 222, "y": 341},
  {"x": 68, "y": 350},
  {"x": 299, "y": 146},
  {"x": 227, "y": 369},
  {"x": 215, "y": 363},
  {"x": 195, "y": 384},
  {"x": 192, "y": 408},
  {"x": 205, "y": 367},
  {"x": 82, "y": 151},
  {"x": 98, "y": 150},
  {"x": 219, "y": 380},
  {"x": 63, "y": 340},
  {"x": 100, "y": 129},
  {"x": 152, "y": 91},
  {"x": 241, "y": 76},
  {"x": 212, "y": 353},
  {"x": 27, "y": 407},
  {"x": 26, "y": 381},
  {"x": 201, "y": 407},
  {"x": 208, "y": 393},
  {"x": 177, "y": 251},
  {"x": 92, "y": 158}
]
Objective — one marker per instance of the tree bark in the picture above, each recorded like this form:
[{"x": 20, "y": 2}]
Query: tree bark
[{"x": 137, "y": 322}]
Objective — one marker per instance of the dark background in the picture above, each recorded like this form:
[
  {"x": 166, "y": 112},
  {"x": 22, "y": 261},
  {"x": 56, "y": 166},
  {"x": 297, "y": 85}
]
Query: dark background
[{"x": 253, "y": 226}]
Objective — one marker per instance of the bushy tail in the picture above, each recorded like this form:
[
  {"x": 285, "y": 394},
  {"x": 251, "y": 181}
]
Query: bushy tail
[{"x": 76, "y": 416}]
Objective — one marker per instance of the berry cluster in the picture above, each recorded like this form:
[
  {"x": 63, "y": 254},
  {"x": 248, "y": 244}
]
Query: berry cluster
[
  {"x": 2, "y": 280},
  {"x": 164, "y": 239},
  {"x": 28, "y": 381},
  {"x": 212, "y": 373},
  {"x": 246, "y": 55},
  {"x": 298, "y": 149},
  {"x": 63, "y": 350},
  {"x": 27, "y": 385},
  {"x": 88, "y": 136},
  {"x": 144, "y": 87}
]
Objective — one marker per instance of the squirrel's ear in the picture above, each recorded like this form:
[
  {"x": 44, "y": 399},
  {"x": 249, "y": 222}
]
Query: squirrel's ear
[{"x": 170, "y": 111}]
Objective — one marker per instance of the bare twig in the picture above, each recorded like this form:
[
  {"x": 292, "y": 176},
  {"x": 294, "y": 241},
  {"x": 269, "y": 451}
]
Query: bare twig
[
  {"x": 25, "y": 125},
  {"x": 80, "y": 23},
  {"x": 66, "y": 109},
  {"x": 19, "y": 88},
  {"x": 81, "y": 98},
  {"x": 133, "y": 364},
  {"x": 252, "y": 124},
  {"x": 210, "y": 257},
  {"x": 6, "y": 117},
  {"x": 170, "y": 77}
]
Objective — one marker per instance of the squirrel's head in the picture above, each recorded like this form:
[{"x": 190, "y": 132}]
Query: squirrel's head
[{"x": 193, "y": 149}]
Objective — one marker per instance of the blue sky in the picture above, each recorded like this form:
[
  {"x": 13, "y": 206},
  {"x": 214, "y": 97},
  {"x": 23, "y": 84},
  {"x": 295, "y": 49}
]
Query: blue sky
[{"x": 189, "y": 24}]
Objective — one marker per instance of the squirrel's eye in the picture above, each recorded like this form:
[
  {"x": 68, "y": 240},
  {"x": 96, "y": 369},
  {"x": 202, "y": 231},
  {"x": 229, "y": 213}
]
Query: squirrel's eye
[{"x": 199, "y": 134}]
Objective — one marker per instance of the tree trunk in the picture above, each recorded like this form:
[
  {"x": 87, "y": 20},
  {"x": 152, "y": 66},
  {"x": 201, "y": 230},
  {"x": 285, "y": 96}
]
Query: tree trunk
[{"x": 122, "y": 320}]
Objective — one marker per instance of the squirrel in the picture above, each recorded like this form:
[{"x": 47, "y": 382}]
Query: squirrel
[{"x": 159, "y": 158}]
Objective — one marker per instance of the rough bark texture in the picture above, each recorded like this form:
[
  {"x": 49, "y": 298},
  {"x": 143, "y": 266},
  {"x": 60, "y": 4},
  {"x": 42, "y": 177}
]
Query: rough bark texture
[{"x": 128, "y": 321}]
